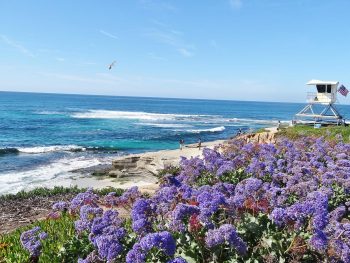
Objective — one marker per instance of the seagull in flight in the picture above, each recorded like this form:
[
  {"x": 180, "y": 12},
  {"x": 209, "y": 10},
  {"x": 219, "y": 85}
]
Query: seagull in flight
[{"x": 111, "y": 65}]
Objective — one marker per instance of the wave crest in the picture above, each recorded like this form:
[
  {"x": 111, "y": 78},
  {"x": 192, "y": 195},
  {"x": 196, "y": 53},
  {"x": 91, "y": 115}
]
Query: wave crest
[
  {"x": 132, "y": 115},
  {"x": 53, "y": 148},
  {"x": 216, "y": 129},
  {"x": 57, "y": 148}
]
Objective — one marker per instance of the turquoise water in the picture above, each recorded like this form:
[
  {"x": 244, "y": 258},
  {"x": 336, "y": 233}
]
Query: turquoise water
[{"x": 43, "y": 137}]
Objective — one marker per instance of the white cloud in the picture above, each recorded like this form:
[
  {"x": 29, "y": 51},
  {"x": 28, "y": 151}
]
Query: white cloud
[
  {"x": 155, "y": 56},
  {"x": 103, "y": 32},
  {"x": 17, "y": 46},
  {"x": 60, "y": 59},
  {"x": 173, "y": 38},
  {"x": 157, "y": 5},
  {"x": 236, "y": 4},
  {"x": 185, "y": 52},
  {"x": 159, "y": 23}
]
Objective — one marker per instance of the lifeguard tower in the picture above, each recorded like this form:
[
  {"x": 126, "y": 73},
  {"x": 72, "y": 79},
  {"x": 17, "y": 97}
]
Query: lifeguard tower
[{"x": 320, "y": 108}]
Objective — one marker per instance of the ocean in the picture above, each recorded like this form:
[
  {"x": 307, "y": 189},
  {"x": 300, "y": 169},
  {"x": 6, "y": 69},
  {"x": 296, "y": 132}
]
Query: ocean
[{"x": 44, "y": 138}]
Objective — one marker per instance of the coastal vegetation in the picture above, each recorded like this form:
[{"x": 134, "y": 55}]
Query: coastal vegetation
[
  {"x": 245, "y": 202},
  {"x": 328, "y": 132},
  {"x": 56, "y": 190}
]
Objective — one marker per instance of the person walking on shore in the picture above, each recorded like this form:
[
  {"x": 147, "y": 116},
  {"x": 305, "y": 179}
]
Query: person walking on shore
[
  {"x": 199, "y": 143},
  {"x": 182, "y": 142}
]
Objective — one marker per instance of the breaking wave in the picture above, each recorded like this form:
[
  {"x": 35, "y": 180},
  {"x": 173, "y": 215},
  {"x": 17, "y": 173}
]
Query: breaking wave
[
  {"x": 166, "y": 125},
  {"x": 216, "y": 129},
  {"x": 132, "y": 115},
  {"x": 56, "y": 148},
  {"x": 57, "y": 172},
  {"x": 156, "y": 119}
]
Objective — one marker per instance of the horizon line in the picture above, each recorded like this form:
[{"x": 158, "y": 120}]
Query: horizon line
[{"x": 152, "y": 97}]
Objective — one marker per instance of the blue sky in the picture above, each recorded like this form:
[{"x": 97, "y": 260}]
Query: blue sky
[{"x": 217, "y": 49}]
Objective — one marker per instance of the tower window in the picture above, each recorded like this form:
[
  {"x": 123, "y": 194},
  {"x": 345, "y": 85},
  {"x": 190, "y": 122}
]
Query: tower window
[
  {"x": 329, "y": 88},
  {"x": 321, "y": 88}
]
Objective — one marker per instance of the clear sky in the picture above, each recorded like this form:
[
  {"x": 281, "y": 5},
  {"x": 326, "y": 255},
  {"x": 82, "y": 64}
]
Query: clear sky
[{"x": 217, "y": 49}]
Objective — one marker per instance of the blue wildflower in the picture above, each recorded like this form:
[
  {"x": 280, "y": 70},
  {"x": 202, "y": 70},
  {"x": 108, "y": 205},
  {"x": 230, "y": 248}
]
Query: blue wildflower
[
  {"x": 163, "y": 241},
  {"x": 177, "y": 260},
  {"x": 30, "y": 240},
  {"x": 60, "y": 206},
  {"x": 225, "y": 233},
  {"x": 318, "y": 241}
]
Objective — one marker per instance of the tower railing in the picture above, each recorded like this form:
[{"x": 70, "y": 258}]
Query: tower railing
[{"x": 314, "y": 97}]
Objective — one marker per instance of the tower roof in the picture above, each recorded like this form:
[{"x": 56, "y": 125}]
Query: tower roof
[{"x": 321, "y": 82}]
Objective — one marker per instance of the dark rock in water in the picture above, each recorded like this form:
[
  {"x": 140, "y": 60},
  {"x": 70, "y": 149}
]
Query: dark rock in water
[{"x": 8, "y": 151}]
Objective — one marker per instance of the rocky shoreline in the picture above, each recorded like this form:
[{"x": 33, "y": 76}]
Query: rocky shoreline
[
  {"x": 141, "y": 169},
  {"x": 151, "y": 163}
]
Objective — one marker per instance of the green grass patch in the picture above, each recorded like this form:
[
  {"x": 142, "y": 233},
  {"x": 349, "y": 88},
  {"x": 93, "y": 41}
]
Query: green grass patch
[
  {"x": 173, "y": 170},
  {"x": 57, "y": 190},
  {"x": 261, "y": 130},
  {"x": 41, "y": 191},
  {"x": 329, "y": 132}
]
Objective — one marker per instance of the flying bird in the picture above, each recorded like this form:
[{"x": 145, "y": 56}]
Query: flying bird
[{"x": 111, "y": 65}]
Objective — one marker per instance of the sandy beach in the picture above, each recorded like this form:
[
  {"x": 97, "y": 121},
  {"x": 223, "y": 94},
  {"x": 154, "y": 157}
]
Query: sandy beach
[{"x": 140, "y": 169}]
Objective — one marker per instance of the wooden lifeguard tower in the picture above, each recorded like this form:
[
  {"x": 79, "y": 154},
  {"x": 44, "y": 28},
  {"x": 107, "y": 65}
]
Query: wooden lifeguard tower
[{"x": 320, "y": 107}]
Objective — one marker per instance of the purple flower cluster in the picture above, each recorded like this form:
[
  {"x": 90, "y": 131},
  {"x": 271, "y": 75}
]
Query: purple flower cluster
[
  {"x": 177, "y": 260},
  {"x": 163, "y": 241},
  {"x": 31, "y": 241},
  {"x": 141, "y": 215},
  {"x": 247, "y": 188},
  {"x": 106, "y": 234},
  {"x": 127, "y": 198},
  {"x": 86, "y": 198},
  {"x": 225, "y": 233},
  {"x": 60, "y": 206},
  {"x": 181, "y": 212},
  {"x": 87, "y": 215},
  {"x": 191, "y": 169}
]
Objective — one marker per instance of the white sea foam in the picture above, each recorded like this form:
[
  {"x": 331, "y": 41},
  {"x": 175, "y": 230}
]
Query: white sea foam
[
  {"x": 54, "y": 148},
  {"x": 165, "y": 125},
  {"x": 161, "y": 117},
  {"x": 55, "y": 173},
  {"x": 132, "y": 115},
  {"x": 216, "y": 129},
  {"x": 48, "y": 112}
]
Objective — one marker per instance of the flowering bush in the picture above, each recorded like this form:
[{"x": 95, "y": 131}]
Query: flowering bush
[{"x": 246, "y": 202}]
